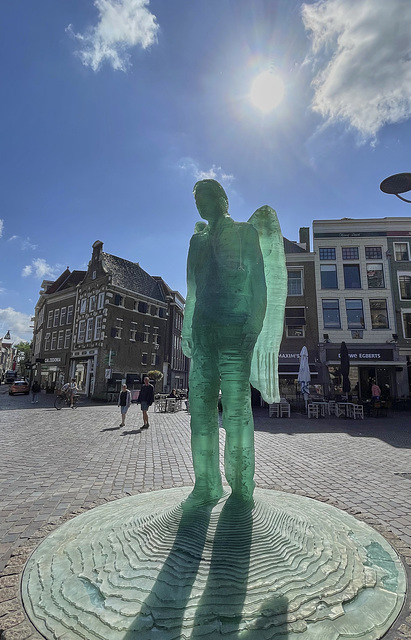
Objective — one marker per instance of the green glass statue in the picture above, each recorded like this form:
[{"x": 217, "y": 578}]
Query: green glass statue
[{"x": 228, "y": 264}]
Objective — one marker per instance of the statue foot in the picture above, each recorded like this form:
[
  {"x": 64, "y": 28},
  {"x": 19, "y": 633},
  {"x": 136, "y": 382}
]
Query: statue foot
[{"x": 202, "y": 497}]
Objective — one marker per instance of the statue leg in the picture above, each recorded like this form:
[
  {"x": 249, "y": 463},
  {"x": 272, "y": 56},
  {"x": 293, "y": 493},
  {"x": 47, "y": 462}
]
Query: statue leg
[
  {"x": 239, "y": 455},
  {"x": 203, "y": 396}
]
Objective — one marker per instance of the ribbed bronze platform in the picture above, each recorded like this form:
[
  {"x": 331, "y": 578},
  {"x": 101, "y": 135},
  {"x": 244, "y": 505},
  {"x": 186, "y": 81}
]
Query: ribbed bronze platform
[{"x": 144, "y": 567}]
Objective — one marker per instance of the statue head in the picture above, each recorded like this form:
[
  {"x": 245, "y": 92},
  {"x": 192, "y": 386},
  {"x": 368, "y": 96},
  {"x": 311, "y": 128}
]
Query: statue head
[{"x": 211, "y": 199}]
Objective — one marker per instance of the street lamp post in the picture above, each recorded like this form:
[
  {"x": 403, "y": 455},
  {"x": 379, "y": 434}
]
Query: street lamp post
[{"x": 396, "y": 184}]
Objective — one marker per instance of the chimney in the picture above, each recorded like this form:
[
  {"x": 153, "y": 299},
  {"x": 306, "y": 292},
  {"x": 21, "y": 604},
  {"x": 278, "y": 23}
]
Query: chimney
[{"x": 305, "y": 237}]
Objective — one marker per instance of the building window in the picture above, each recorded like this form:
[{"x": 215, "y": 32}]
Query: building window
[
  {"x": 153, "y": 359},
  {"x": 118, "y": 300},
  {"x": 50, "y": 320},
  {"x": 117, "y": 330},
  {"x": 162, "y": 313},
  {"x": 89, "y": 330},
  {"x": 47, "y": 342},
  {"x": 331, "y": 314},
  {"x": 100, "y": 300},
  {"x": 60, "y": 339},
  {"x": 144, "y": 358},
  {"x": 146, "y": 333},
  {"x": 83, "y": 305},
  {"x": 295, "y": 282},
  {"x": 379, "y": 314},
  {"x": 155, "y": 335},
  {"x": 142, "y": 307},
  {"x": 401, "y": 251},
  {"x": 406, "y": 323},
  {"x": 295, "y": 322},
  {"x": 327, "y": 253},
  {"x": 92, "y": 304},
  {"x": 53, "y": 341},
  {"x": 94, "y": 275},
  {"x": 355, "y": 314},
  {"x": 133, "y": 331},
  {"x": 373, "y": 253},
  {"x": 67, "y": 339},
  {"x": 405, "y": 287},
  {"x": 97, "y": 330},
  {"x": 81, "y": 331},
  {"x": 154, "y": 310},
  {"x": 63, "y": 314},
  {"x": 375, "y": 276},
  {"x": 70, "y": 314},
  {"x": 349, "y": 253},
  {"x": 56, "y": 317},
  {"x": 328, "y": 276},
  {"x": 352, "y": 279}
]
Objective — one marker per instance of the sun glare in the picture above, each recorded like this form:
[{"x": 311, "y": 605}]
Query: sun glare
[{"x": 267, "y": 91}]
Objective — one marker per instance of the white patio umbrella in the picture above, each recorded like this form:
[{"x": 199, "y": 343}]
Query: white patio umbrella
[{"x": 304, "y": 375}]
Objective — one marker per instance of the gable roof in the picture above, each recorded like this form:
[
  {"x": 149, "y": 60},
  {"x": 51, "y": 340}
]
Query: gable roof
[
  {"x": 293, "y": 247},
  {"x": 129, "y": 275},
  {"x": 66, "y": 280}
]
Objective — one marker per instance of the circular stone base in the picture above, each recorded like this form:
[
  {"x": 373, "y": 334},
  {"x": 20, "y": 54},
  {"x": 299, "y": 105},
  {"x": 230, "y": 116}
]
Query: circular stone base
[{"x": 148, "y": 567}]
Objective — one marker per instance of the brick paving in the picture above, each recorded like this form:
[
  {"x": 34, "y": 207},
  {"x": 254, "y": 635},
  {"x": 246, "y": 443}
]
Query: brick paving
[{"x": 53, "y": 463}]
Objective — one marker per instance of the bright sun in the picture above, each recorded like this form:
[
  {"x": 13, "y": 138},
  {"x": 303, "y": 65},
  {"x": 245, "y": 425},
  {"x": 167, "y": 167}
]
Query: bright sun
[{"x": 267, "y": 91}]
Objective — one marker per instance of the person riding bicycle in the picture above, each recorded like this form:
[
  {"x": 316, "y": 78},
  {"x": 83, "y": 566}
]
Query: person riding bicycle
[{"x": 69, "y": 389}]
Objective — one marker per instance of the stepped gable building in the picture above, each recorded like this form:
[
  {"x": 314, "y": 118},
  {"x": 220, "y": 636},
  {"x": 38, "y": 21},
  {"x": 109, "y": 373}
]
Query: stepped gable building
[
  {"x": 53, "y": 328},
  {"x": 362, "y": 267},
  {"x": 300, "y": 321},
  {"x": 120, "y": 326}
]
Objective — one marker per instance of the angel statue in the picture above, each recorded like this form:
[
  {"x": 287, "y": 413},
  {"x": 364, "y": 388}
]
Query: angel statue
[{"x": 233, "y": 324}]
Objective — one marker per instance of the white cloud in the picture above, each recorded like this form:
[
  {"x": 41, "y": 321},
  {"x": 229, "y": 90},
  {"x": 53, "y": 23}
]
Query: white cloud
[
  {"x": 361, "y": 52},
  {"x": 16, "y": 322},
  {"x": 24, "y": 244},
  {"x": 122, "y": 24},
  {"x": 40, "y": 269},
  {"x": 216, "y": 173},
  {"x": 12, "y": 238},
  {"x": 1, "y": 227}
]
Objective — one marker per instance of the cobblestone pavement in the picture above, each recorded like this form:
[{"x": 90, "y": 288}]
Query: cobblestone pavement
[{"x": 54, "y": 462}]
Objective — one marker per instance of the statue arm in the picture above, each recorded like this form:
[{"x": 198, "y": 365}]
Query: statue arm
[
  {"x": 258, "y": 287},
  {"x": 186, "y": 333}
]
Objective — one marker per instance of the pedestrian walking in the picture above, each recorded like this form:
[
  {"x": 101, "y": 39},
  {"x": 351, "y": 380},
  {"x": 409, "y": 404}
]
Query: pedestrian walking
[
  {"x": 35, "y": 390},
  {"x": 124, "y": 401},
  {"x": 146, "y": 399}
]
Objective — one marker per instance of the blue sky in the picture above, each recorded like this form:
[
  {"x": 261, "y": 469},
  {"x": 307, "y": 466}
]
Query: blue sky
[{"x": 110, "y": 110}]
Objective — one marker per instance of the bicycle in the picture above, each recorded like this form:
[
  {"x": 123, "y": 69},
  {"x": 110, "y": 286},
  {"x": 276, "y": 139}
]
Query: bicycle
[{"x": 62, "y": 400}]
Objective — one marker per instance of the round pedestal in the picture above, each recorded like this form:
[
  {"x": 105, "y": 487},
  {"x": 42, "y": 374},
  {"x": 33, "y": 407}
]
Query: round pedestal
[{"x": 148, "y": 567}]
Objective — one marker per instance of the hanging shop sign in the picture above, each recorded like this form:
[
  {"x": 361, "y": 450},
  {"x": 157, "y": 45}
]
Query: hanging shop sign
[{"x": 367, "y": 354}]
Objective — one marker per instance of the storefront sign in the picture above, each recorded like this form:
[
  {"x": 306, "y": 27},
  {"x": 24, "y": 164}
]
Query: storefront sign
[
  {"x": 52, "y": 360},
  {"x": 361, "y": 355}
]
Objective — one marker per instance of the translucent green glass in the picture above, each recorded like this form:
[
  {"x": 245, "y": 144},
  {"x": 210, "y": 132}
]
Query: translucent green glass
[{"x": 225, "y": 313}]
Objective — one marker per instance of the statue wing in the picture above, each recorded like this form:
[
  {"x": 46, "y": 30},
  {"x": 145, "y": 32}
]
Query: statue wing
[{"x": 264, "y": 366}]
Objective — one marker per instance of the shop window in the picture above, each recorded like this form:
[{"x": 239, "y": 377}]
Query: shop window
[
  {"x": 92, "y": 304},
  {"x": 100, "y": 301},
  {"x": 50, "y": 320},
  {"x": 133, "y": 331},
  {"x": 406, "y": 323},
  {"x": 352, "y": 279},
  {"x": 373, "y": 253},
  {"x": 60, "y": 339},
  {"x": 70, "y": 314},
  {"x": 81, "y": 331},
  {"x": 83, "y": 305},
  {"x": 375, "y": 276},
  {"x": 379, "y": 314},
  {"x": 328, "y": 276},
  {"x": 47, "y": 339},
  {"x": 349, "y": 253},
  {"x": 67, "y": 339},
  {"x": 63, "y": 314},
  {"x": 295, "y": 282},
  {"x": 401, "y": 251},
  {"x": 327, "y": 253},
  {"x": 405, "y": 287},
  {"x": 89, "y": 329},
  {"x": 295, "y": 322},
  {"x": 56, "y": 317},
  {"x": 355, "y": 314},
  {"x": 53, "y": 341},
  {"x": 97, "y": 330},
  {"x": 331, "y": 314}
]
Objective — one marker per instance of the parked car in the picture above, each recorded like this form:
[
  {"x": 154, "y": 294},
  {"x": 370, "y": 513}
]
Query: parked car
[{"x": 20, "y": 386}]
